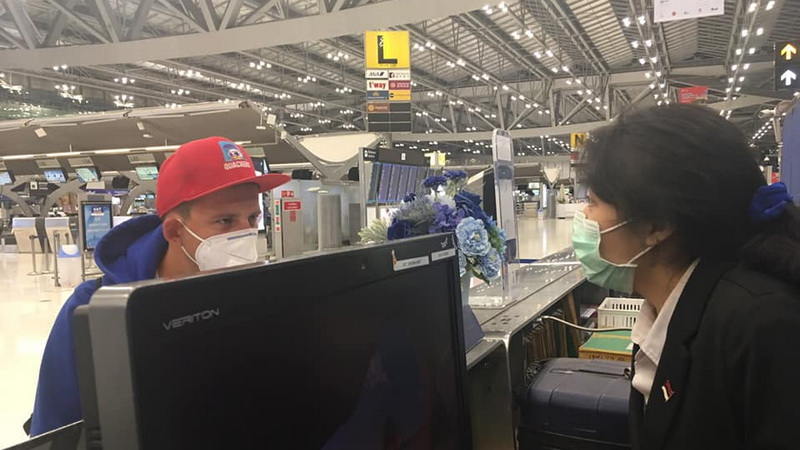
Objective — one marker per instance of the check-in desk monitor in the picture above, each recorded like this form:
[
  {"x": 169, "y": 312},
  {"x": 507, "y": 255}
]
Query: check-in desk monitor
[
  {"x": 96, "y": 221},
  {"x": 6, "y": 178},
  {"x": 55, "y": 176},
  {"x": 361, "y": 349},
  {"x": 146, "y": 173},
  {"x": 88, "y": 174}
]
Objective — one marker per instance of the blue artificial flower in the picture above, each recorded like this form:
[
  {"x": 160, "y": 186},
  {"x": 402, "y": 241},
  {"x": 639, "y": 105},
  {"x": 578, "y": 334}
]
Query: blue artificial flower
[
  {"x": 473, "y": 239},
  {"x": 455, "y": 175},
  {"x": 409, "y": 198},
  {"x": 467, "y": 199},
  {"x": 434, "y": 182},
  {"x": 400, "y": 229},
  {"x": 471, "y": 204},
  {"x": 462, "y": 263},
  {"x": 446, "y": 219},
  {"x": 491, "y": 264}
]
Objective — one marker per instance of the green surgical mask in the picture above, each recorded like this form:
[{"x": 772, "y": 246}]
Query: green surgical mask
[{"x": 586, "y": 238}]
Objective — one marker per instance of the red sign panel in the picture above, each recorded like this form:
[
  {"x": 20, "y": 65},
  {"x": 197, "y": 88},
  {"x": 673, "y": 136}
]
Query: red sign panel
[
  {"x": 693, "y": 94},
  {"x": 287, "y": 194},
  {"x": 292, "y": 206},
  {"x": 399, "y": 85}
]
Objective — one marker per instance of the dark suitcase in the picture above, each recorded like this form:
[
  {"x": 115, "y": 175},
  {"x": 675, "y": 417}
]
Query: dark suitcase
[{"x": 576, "y": 404}]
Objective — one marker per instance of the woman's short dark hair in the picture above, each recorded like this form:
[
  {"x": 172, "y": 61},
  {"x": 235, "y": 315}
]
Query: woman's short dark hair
[{"x": 685, "y": 167}]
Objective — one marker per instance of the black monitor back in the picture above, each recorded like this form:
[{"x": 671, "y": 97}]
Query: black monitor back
[
  {"x": 359, "y": 349},
  {"x": 65, "y": 438}
]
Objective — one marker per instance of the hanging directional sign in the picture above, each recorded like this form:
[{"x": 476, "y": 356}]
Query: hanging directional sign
[
  {"x": 387, "y": 50},
  {"x": 787, "y": 65},
  {"x": 388, "y": 77}
]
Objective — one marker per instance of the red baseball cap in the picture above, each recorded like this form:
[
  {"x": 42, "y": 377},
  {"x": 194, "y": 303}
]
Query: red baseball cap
[{"x": 204, "y": 166}]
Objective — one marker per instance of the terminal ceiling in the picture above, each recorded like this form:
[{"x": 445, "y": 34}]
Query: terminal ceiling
[{"x": 527, "y": 65}]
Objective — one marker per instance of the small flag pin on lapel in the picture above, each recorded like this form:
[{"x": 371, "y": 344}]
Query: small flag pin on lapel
[{"x": 668, "y": 391}]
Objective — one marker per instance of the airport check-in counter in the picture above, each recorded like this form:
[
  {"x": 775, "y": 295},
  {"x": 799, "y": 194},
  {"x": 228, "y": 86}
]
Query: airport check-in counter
[
  {"x": 496, "y": 366},
  {"x": 58, "y": 226},
  {"x": 23, "y": 228}
]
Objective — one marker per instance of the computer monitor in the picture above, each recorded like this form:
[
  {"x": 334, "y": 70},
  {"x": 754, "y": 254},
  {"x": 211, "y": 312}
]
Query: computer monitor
[
  {"x": 67, "y": 437},
  {"x": 261, "y": 164},
  {"x": 6, "y": 177},
  {"x": 55, "y": 176},
  {"x": 87, "y": 174},
  {"x": 95, "y": 222},
  {"x": 355, "y": 349},
  {"x": 146, "y": 173}
]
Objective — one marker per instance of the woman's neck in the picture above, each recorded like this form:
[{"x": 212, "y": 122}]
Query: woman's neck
[{"x": 656, "y": 283}]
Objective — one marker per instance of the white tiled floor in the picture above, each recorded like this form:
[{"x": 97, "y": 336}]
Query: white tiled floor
[{"x": 29, "y": 304}]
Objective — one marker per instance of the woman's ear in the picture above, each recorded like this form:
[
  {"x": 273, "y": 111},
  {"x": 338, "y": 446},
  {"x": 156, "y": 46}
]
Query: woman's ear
[
  {"x": 658, "y": 234},
  {"x": 172, "y": 229}
]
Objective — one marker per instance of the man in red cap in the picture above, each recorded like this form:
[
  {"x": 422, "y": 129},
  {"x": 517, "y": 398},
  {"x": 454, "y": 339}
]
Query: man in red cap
[{"x": 208, "y": 211}]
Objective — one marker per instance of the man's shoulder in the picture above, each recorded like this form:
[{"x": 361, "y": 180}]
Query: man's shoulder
[{"x": 83, "y": 293}]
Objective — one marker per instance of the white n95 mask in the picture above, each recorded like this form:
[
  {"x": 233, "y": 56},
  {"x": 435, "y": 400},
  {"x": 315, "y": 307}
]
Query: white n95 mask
[{"x": 224, "y": 250}]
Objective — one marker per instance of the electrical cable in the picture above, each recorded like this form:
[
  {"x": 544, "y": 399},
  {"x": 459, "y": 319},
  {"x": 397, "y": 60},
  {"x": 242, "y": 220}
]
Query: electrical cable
[{"x": 592, "y": 330}]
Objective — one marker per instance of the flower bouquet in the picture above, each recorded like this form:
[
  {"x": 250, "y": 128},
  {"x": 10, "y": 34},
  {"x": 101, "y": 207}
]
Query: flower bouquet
[{"x": 442, "y": 204}]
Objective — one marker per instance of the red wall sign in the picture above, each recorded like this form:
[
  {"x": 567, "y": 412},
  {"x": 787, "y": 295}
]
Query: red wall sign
[
  {"x": 292, "y": 206},
  {"x": 693, "y": 94},
  {"x": 287, "y": 194}
]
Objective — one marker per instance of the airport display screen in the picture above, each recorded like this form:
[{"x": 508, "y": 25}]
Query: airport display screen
[
  {"x": 390, "y": 183},
  {"x": 374, "y": 180},
  {"x": 147, "y": 172},
  {"x": 362, "y": 358},
  {"x": 394, "y": 184},
  {"x": 87, "y": 174},
  {"x": 385, "y": 183},
  {"x": 55, "y": 176},
  {"x": 96, "y": 222},
  {"x": 5, "y": 178}
]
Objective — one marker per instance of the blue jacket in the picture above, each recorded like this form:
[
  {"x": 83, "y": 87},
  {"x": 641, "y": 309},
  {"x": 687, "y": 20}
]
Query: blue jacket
[{"x": 129, "y": 252}]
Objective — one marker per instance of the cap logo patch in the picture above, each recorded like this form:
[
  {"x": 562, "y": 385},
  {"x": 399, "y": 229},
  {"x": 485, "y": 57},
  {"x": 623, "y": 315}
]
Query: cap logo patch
[{"x": 234, "y": 156}]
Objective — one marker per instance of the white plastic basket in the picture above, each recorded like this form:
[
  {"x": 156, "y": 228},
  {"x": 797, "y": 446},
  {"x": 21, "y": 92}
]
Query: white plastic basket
[{"x": 618, "y": 312}]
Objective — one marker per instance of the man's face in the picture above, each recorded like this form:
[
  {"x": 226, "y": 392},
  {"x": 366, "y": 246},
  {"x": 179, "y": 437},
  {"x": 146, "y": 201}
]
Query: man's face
[{"x": 231, "y": 209}]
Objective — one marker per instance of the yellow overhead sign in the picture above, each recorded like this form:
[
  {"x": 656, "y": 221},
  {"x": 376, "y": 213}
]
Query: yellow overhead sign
[
  {"x": 387, "y": 50},
  {"x": 577, "y": 140},
  {"x": 788, "y": 51},
  {"x": 400, "y": 96}
]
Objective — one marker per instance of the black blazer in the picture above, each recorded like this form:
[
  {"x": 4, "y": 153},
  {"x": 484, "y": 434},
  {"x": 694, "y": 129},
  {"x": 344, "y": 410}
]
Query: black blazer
[{"x": 729, "y": 374}]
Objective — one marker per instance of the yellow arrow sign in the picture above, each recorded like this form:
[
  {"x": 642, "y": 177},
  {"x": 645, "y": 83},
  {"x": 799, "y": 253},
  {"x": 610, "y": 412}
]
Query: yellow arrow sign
[{"x": 789, "y": 51}]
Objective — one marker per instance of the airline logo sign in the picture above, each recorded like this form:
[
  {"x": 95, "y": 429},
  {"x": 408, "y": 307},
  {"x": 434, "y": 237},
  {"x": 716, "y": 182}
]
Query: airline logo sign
[
  {"x": 387, "y": 50},
  {"x": 373, "y": 74},
  {"x": 787, "y": 65},
  {"x": 399, "y": 85},
  {"x": 378, "y": 108},
  {"x": 377, "y": 95},
  {"x": 400, "y": 96},
  {"x": 377, "y": 85},
  {"x": 400, "y": 75}
]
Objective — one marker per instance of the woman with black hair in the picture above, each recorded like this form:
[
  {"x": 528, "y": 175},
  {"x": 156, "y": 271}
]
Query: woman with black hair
[{"x": 679, "y": 214}]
